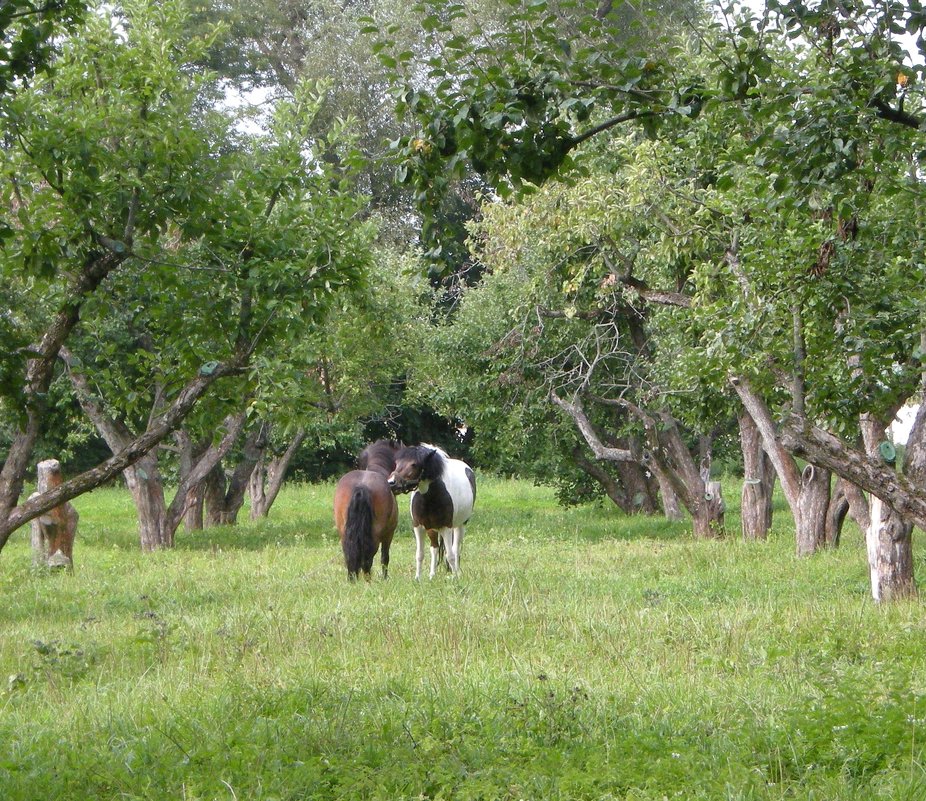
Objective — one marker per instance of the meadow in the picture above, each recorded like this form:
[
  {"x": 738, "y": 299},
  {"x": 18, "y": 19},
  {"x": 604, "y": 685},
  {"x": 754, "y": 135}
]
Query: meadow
[{"x": 581, "y": 655}]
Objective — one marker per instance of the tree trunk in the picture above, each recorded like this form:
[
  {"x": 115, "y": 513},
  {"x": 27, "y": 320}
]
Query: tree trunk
[
  {"x": 157, "y": 522},
  {"x": 889, "y": 538},
  {"x": 224, "y": 497},
  {"x": 267, "y": 479},
  {"x": 813, "y": 502},
  {"x": 691, "y": 484},
  {"x": 758, "y": 481},
  {"x": 708, "y": 517},
  {"x": 53, "y": 533},
  {"x": 836, "y": 514},
  {"x": 671, "y": 505},
  {"x": 144, "y": 482},
  {"x": 807, "y": 493},
  {"x": 214, "y": 494},
  {"x": 611, "y": 486},
  {"x": 669, "y": 459},
  {"x": 848, "y": 500},
  {"x": 629, "y": 491},
  {"x": 190, "y": 453},
  {"x": 158, "y": 428}
]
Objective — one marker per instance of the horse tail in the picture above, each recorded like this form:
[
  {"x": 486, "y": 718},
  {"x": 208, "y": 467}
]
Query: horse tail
[
  {"x": 442, "y": 552},
  {"x": 358, "y": 531}
]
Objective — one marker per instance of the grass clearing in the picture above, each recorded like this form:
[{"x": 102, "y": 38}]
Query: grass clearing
[{"x": 582, "y": 655}]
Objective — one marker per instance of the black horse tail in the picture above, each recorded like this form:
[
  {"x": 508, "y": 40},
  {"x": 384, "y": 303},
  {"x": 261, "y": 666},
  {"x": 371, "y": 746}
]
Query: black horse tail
[
  {"x": 442, "y": 554},
  {"x": 358, "y": 531}
]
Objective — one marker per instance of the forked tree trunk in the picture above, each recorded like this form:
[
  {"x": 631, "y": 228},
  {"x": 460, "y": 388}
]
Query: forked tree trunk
[
  {"x": 668, "y": 458},
  {"x": 692, "y": 485},
  {"x": 758, "y": 482},
  {"x": 157, "y": 522},
  {"x": 225, "y": 497},
  {"x": 807, "y": 494},
  {"x": 267, "y": 477}
]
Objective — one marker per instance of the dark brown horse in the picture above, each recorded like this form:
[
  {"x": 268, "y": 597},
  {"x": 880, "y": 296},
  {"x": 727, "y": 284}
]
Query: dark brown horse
[{"x": 365, "y": 511}]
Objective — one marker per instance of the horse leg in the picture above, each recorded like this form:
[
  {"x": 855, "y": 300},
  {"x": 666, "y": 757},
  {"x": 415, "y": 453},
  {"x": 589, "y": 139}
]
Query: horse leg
[
  {"x": 419, "y": 550},
  {"x": 384, "y": 558},
  {"x": 437, "y": 545},
  {"x": 453, "y": 548}
]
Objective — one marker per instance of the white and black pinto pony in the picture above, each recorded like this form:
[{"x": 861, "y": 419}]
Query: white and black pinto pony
[{"x": 441, "y": 503}]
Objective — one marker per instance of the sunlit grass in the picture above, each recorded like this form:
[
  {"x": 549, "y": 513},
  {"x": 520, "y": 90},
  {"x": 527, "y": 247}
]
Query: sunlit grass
[{"x": 582, "y": 654}]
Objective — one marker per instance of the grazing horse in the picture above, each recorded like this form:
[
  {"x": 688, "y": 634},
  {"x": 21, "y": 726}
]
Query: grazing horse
[
  {"x": 365, "y": 510},
  {"x": 442, "y": 501}
]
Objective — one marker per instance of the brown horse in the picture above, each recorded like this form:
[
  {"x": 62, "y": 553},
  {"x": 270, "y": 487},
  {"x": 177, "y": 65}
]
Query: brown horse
[{"x": 365, "y": 510}]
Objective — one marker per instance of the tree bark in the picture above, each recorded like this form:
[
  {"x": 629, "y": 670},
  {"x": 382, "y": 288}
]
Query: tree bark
[
  {"x": 630, "y": 490},
  {"x": 611, "y": 486},
  {"x": 758, "y": 481},
  {"x": 267, "y": 479},
  {"x": 190, "y": 453},
  {"x": 848, "y": 500},
  {"x": 224, "y": 496},
  {"x": 669, "y": 460},
  {"x": 813, "y": 502},
  {"x": 700, "y": 496},
  {"x": 869, "y": 473},
  {"x": 889, "y": 538}
]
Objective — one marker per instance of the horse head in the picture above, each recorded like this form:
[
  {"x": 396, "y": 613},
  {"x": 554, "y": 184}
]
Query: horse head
[
  {"x": 414, "y": 464},
  {"x": 379, "y": 456}
]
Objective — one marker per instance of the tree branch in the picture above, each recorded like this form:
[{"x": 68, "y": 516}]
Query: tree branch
[
  {"x": 126, "y": 457},
  {"x": 576, "y": 411}
]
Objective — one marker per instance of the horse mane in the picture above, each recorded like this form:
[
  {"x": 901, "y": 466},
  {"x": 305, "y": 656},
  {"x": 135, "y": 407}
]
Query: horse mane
[
  {"x": 379, "y": 456},
  {"x": 432, "y": 468}
]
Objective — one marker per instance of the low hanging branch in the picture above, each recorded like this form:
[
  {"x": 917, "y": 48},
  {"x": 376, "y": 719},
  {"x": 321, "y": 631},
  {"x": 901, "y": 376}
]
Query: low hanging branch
[
  {"x": 159, "y": 428},
  {"x": 822, "y": 448}
]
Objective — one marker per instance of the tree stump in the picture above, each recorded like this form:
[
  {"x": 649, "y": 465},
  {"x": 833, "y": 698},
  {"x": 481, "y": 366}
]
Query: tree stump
[{"x": 53, "y": 533}]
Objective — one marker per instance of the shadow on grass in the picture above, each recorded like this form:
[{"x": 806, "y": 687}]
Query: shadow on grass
[{"x": 306, "y": 532}]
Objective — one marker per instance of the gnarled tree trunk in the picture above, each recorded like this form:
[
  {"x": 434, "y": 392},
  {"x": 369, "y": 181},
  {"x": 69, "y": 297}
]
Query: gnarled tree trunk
[
  {"x": 807, "y": 494},
  {"x": 157, "y": 522}
]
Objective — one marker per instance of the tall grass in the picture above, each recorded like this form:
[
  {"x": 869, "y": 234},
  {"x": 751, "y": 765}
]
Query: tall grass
[{"x": 581, "y": 655}]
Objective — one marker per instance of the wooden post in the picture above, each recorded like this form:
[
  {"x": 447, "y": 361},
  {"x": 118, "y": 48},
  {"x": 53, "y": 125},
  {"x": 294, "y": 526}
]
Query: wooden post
[{"x": 53, "y": 532}]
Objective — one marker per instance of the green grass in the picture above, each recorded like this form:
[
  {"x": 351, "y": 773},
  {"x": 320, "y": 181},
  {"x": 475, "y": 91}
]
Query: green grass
[{"x": 582, "y": 655}]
